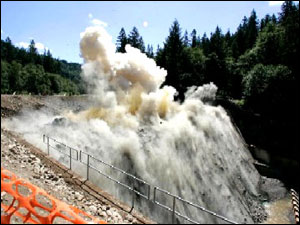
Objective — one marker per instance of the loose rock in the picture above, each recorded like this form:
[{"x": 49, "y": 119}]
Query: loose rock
[{"x": 93, "y": 209}]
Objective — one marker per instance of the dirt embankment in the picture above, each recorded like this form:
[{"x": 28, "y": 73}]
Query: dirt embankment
[
  {"x": 12, "y": 104},
  {"x": 30, "y": 163}
]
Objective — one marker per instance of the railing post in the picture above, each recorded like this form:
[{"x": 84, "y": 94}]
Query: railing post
[
  {"x": 149, "y": 189},
  {"x": 132, "y": 203},
  {"x": 154, "y": 194},
  {"x": 87, "y": 166},
  {"x": 173, "y": 216},
  {"x": 48, "y": 147},
  {"x": 70, "y": 149}
]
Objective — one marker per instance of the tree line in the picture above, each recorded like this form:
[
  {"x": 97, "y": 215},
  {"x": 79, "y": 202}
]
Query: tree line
[
  {"x": 26, "y": 71},
  {"x": 135, "y": 40},
  {"x": 247, "y": 65},
  {"x": 256, "y": 65}
]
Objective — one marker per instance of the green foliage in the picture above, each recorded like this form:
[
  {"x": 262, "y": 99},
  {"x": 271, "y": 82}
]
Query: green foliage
[
  {"x": 258, "y": 79},
  {"x": 204, "y": 44},
  {"x": 28, "y": 72},
  {"x": 227, "y": 60},
  {"x": 186, "y": 41},
  {"x": 240, "y": 102},
  {"x": 263, "y": 86},
  {"x": 149, "y": 51},
  {"x": 121, "y": 41},
  {"x": 252, "y": 30},
  {"x": 37, "y": 82},
  {"x": 33, "y": 53},
  {"x": 135, "y": 40},
  {"x": 16, "y": 81},
  {"x": 269, "y": 45},
  {"x": 8, "y": 51},
  {"x": 193, "y": 64},
  {"x": 194, "y": 38},
  {"x": 5, "y": 68},
  {"x": 173, "y": 58},
  {"x": 217, "y": 44},
  {"x": 233, "y": 61}
]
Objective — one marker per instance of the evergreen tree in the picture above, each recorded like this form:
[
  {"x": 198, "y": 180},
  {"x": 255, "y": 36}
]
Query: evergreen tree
[
  {"x": 48, "y": 62},
  {"x": 289, "y": 21},
  {"x": 228, "y": 43},
  {"x": 239, "y": 43},
  {"x": 217, "y": 44},
  {"x": 21, "y": 75},
  {"x": 160, "y": 57},
  {"x": 32, "y": 50},
  {"x": 5, "y": 70},
  {"x": 15, "y": 79},
  {"x": 265, "y": 21},
  {"x": 142, "y": 45},
  {"x": 22, "y": 56},
  {"x": 149, "y": 51},
  {"x": 205, "y": 44},
  {"x": 8, "y": 52},
  {"x": 173, "y": 48},
  {"x": 121, "y": 41},
  {"x": 251, "y": 30},
  {"x": 135, "y": 40},
  {"x": 186, "y": 40},
  {"x": 288, "y": 8},
  {"x": 274, "y": 19},
  {"x": 194, "y": 38}
]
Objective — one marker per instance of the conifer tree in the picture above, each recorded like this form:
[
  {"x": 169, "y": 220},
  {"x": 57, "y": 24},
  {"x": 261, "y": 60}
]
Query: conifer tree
[
  {"x": 121, "y": 41},
  {"x": 135, "y": 40},
  {"x": 194, "y": 38}
]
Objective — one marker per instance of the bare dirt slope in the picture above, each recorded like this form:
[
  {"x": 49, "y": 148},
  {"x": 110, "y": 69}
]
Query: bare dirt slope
[
  {"x": 20, "y": 157},
  {"x": 10, "y": 105}
]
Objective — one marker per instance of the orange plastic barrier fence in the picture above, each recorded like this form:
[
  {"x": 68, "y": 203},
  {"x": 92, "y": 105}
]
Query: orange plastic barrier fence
[{"x": 33, "y": 205}]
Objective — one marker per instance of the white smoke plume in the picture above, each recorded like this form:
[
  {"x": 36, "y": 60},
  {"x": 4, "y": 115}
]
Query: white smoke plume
[
  {"x": 191, "y": 149},
  {"x": 122, "y": 70},
  {"x": 205, "y": 92}
]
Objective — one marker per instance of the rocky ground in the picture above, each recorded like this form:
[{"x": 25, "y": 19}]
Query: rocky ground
[
  {"x": 19, "y": 159},
  {"x": 12, "y": 104}
]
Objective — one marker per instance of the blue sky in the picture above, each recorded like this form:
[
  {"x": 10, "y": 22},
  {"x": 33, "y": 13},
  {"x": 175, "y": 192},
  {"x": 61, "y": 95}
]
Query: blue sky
[{"x": 57, "y": 25}]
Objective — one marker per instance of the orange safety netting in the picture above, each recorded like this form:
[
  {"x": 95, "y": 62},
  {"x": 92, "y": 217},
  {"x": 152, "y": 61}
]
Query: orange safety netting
[{"x": 40, "y": 207}]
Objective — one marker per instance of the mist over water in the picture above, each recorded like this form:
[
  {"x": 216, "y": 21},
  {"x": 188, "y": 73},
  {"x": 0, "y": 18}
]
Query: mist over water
[{"x": 190, "y": 149}]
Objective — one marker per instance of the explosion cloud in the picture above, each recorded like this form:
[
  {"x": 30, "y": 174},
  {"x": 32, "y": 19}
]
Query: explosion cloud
[{"x": 191, "y": 149}]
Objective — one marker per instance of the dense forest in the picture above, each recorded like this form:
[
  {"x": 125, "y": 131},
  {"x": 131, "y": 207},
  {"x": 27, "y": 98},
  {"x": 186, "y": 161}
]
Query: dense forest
[
  {"x": 254, "y": 68},
  {"x": 253, "y": 65},
  {"x": 25, "y": 71}
]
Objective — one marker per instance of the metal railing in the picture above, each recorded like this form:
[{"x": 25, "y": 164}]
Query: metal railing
[
  {"x": 174, "y": 212},
  {"x": 79, "y": 157}
]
